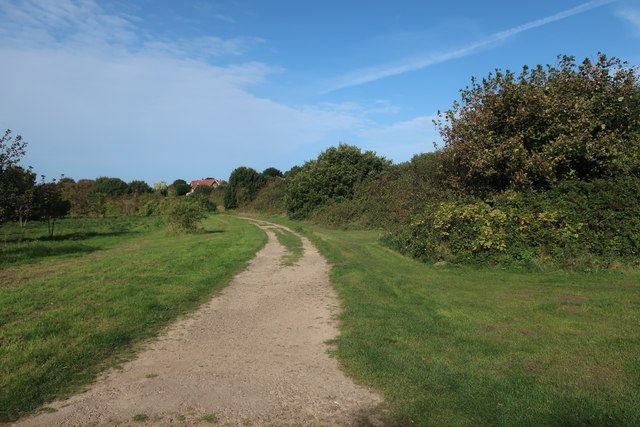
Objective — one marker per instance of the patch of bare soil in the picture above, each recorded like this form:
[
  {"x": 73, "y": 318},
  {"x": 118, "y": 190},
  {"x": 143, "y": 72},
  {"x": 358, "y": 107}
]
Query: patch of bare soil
[{"x": 255, "y": 355}]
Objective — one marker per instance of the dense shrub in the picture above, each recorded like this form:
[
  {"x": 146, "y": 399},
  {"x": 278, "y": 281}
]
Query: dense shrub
[
  {"x": 390, "y": 200},
  {"x": 564, "y": 122},
  {"x": 270, "y": 199},
  {"x": 203, "y": 194},
  {"x": 184, "y": 215},
  {"x": 332, "y": 178},
  {"x": 573, "y": 222},
  {"x": 244, "y": 184}
]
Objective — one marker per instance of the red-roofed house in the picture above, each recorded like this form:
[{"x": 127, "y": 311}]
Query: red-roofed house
[{"x": 209, "y": 182}]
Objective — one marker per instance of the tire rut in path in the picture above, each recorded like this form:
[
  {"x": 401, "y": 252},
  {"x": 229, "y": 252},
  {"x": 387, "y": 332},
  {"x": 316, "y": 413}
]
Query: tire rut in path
[{"x": 254, "y": 355}]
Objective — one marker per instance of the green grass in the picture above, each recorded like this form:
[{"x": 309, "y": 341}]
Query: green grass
[
  {"x": 65, "y": 319},
  {"x": 292, "y": 243},
  {"x": 73, "y": 237},
  {"x": 471, "y": 346},
  {"x": 140, "y": 417},
  {"x": 210, "y": 418}
]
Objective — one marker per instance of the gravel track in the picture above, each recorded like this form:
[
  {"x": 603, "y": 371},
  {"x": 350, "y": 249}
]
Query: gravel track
[{"x": 254, "y": 355}]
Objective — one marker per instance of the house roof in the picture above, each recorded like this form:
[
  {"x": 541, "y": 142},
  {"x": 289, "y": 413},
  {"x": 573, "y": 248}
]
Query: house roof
[{"x": 211, "y": 182}]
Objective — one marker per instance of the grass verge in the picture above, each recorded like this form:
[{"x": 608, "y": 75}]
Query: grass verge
[
  {"x": 64, "y": 320},
  {"x": 483, "y": 346}
]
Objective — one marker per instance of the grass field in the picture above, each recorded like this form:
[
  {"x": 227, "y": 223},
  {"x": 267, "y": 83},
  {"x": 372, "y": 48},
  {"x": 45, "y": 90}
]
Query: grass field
[
  {"x": 467, "y": 347},
  {"x": 73, "y": 237},
  {"x": 71, "y": 308}
]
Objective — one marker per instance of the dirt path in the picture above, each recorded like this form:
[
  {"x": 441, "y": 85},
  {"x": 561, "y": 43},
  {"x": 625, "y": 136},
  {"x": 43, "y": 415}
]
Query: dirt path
[{"x": 255, "y": 355}]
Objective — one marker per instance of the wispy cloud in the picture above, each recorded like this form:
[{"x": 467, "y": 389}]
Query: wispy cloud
[
  {"x": 631, "y": 16},
  {"x": 204, "y": 47},
  {"x": 387, "y": 70},
  {"x": 96, "y": 95},
  {"x": 85, "y": 24}
]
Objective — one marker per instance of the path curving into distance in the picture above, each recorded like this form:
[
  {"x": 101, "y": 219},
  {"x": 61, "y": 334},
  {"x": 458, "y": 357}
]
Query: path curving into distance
[{"x": 254, "y": 355}]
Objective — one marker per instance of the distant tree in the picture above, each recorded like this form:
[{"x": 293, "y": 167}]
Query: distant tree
[
  {"x": 291, "y": 172},
  {"x": 178, "y": 182},
  {"x": 138, "y": 187},
  {"x": 16, "y": 193},
  {"x": 12, "y": 177},
  {"x": 78, "y": 194},
  {"x": 182, "y": 189},
  {"x": 243, "y": 186},
  {"x": 272, "y": 173},
  {"x": 565, "y": 122},
  {"x": 49, "y": 205},
  {"x": 161, "y": 187},
  {"x": 111, "y": 187},
  {"x": 11, "y": 150},
  {"x": 64, "y": 180},
  {"x": 24, "y": 183},
  {"x": 331, "y": 178}
]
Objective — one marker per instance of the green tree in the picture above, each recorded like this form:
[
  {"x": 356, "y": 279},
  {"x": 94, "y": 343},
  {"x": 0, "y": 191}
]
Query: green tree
[
  {"x": 11, "y": 149},
  {"x": 161, "y": 188},
  {"x": 182, "y": 189},
  {"x": 569, "y": 121},
  {"x": 16, "y": 193},
  {"x": 331, "y": 178},
  {"x": 12, "y": 177},
  {"x": 79, "y": 195},
  {"x": 272, "y": 173},
  {"x": 229, "y": 198},
  {"x": 49, "y": 204},
  {"x": 138, "y": 187},
  {"x": 110, "y": 187},
  {"x": 243, "y": 186}
]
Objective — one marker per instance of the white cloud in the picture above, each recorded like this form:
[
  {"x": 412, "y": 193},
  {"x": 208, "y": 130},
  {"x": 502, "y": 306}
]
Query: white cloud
[
  {"x": 72, "y": 22},
  {"x": 387, "y": 70},
  {"x": 94, "y": 97},
  {"x": 104, "y": 99},
  {"x": 150, "y": 117}
]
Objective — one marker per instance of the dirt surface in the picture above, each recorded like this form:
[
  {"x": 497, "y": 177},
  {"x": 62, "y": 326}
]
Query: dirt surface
[{"x": 255, "y": 355}]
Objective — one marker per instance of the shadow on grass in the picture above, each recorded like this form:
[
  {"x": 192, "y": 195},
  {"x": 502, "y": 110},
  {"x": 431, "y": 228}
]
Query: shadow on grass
[
  {"x": 210, "y": 231},
  {"x": 65, "y": 237},
  {"x": 35, "y": 251}
]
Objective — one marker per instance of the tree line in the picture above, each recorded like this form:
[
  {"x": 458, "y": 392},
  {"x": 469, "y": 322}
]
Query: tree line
[
  {"x": 21, "y": 198},
  {"x": 537, "y": 167}
]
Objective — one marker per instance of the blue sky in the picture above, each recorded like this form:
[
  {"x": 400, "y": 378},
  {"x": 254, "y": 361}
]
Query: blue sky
[{"x": 159, "y": 90}]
